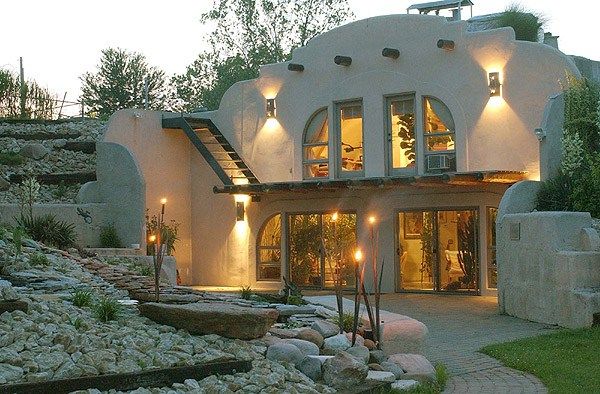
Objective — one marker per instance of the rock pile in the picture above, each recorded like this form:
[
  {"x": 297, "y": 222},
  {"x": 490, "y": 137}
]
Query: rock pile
[{"x": 48, "y": 148}]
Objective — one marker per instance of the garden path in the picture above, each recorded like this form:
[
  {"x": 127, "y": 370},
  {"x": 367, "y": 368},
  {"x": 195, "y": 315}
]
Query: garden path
[{"x": 461, "y": 325}]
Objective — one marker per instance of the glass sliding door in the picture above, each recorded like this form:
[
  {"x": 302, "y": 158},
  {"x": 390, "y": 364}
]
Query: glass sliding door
[
  {"x": 320, "y": 248},
  {"x": 417, "y": 254},
  {"x": 401, "y": 133},
  {"x": 438, "y": 250}
]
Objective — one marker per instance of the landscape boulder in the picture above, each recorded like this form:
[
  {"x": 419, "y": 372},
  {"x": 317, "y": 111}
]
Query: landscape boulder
[
  {"x": 344, "y": 371},
  {"x": 325, "y": 328},
  {"x": 306, "y": 348},
  {"x": 360, "y": 352},
  {"x": 35, "y": 151},
  {"x": 308, "y": 334},
  {"x": 415, "y": 366},
  {"x": 4, "y": 184},
  {"x": 381, "y": 376},
  {"x": 335, "y": 344},
  {"x": 284, "y": 352},
  {"x": 311, "y": 367},
  {"x": 223, "y": 319},
  {"x": 393, "y": 368}
]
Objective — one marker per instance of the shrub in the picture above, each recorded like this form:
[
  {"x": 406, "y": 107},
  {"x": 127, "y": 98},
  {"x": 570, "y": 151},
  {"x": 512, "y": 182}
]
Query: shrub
[
  {"x": 246, "y": 292},
  {"x": 295, "y": 300},
  {"x": 586, "y": 191},
  {"x": 38, "y": 259},
  {"x": 49, "y": 230},
  {"x": 59, "y": 191},
  {"x": 347, "y": 321},
  {"x": 17, "y": 240},
  {"x": 109, "y": 237},
  {"x": 11, "y": 159},
  {"x": 525, "y": 23},
  {"x": 143, "y": 269},
  {"x": 81, "y": 298},
  {"x": 107, "y": 309},
  {"x": 554, "y": 194}
]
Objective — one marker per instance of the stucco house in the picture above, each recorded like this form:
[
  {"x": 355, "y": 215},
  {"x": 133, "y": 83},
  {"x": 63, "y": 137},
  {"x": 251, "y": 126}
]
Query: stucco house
[{"x": 407, "y": 127}]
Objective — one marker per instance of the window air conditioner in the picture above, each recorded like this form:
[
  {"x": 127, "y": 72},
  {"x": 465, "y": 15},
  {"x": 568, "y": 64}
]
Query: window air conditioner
[{"x": 438, "y": 162}]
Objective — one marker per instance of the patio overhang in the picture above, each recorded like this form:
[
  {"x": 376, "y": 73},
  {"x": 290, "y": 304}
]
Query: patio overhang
[{"x": 478, "y": 178}]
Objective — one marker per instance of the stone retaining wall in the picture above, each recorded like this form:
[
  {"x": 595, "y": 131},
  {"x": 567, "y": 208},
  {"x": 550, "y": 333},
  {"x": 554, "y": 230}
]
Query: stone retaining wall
[{"x": 549, "y": 267}]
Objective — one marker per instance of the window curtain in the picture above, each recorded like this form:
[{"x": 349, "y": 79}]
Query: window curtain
[
  {"x": 442, "y": 112},
  {"x": 317, "y": 129}
]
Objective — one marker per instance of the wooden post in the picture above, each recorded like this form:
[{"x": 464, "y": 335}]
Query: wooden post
[{"x": 23, "y": 87}]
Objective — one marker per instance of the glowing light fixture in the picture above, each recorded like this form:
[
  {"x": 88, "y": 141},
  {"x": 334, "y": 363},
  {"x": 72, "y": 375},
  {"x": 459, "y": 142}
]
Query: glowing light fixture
[
  {"x": 152, "y": 238},
  {"x": 334, "y": 217},
  {"x": 240, "y": 211},
  {"x": 372, "y": 220},
  {"x": 271, "y": 109},
  {"x": 494, "y": 84},
  {"x": 358, "y": 256},
  {"x": 163, "y": 201}
]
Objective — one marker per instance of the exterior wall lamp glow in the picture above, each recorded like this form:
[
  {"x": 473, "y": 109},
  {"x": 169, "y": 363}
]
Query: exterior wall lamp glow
[
  {"x": 271, "y": 108},
  {"x": 240, "y": 211},
  {"x": 494, "y": 84}
]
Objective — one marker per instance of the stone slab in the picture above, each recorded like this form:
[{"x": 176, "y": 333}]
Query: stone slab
[{"x": 223, "y": 319}]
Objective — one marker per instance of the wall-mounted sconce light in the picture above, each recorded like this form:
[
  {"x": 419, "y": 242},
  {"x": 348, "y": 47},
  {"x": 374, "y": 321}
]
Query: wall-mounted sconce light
[
  {"x": 240, "y": 211},
  {"x": 494, "y": 84},
  {"x": 540, "y": 134},
  {"x": 392, "y": 53},
  {"x": 295, "y": 67},
  {"x": 447, "y": 45},
  {"x": 271, "y": 109},
  {"x": 342, "y": 60}
]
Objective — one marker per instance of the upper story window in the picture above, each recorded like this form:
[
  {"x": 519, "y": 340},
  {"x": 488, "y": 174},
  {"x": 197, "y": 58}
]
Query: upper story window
[
  {"x": 349, "y": 159},
  {"x": 401, "y": 132},
  {"x": 316, "y": 146},
  {"x": 269, "y": 250},
  {"x": 439, "y": 136}
]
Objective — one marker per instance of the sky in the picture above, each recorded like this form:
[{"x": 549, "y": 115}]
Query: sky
[{"x": 60, "y": 40}]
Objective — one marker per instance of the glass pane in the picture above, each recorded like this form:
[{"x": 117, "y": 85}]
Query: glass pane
[
  {"x": 417, "y": 257},
  {"x": 305, "y": 249},
  {"x": 438, "y": 118},
  {"x": 402, "y": 121},
  {"x": 439, "y": 143},
  {"x": 317, "y": 129},
  {"x": 339, "y": 238},
  {"x": 271, "y": 232},
  {"x": 269, "y": 249},
  {"x": 315, "y": 152},
  {"x": 492, "y": 267},
  {"x": 351, "y": 138},
  {"x": 269, "y": 273},
  {"x": 316, "y": 170},
  {"x": 269, "y": 255},
  {"x": 457, "y": 239}
]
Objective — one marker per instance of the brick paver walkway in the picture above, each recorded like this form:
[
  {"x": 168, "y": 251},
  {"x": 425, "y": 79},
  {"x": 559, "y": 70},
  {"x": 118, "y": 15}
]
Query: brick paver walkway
[{"x": 458, "y": 327}]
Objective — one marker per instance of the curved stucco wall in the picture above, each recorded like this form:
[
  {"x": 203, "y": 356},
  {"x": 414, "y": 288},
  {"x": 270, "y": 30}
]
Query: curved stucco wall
[{"x": 496, "y": 134}]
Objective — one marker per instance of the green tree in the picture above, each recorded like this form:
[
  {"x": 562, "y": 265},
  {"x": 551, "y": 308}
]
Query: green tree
[
  {"x": 248, "y": 34},
  {"x": 39, "y": 102},
  {"x": 525, "y": 23},
  {"x": 119, "y": 83}
]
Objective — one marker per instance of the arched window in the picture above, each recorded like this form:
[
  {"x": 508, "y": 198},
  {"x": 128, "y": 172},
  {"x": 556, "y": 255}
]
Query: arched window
[
  {"x": 439, "y": 136},
  {"x": 268, "y": 252},
  {"x": 315, "y": 147}
]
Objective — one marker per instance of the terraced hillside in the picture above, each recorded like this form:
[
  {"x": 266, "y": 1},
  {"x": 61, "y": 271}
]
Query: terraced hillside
[{"x": 61, "y": 154}]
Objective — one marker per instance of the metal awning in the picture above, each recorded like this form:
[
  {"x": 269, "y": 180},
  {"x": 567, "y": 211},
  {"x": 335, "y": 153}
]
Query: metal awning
[
  {"x": 424, "y": 8},
  {"x": 454, "y": 179}
]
